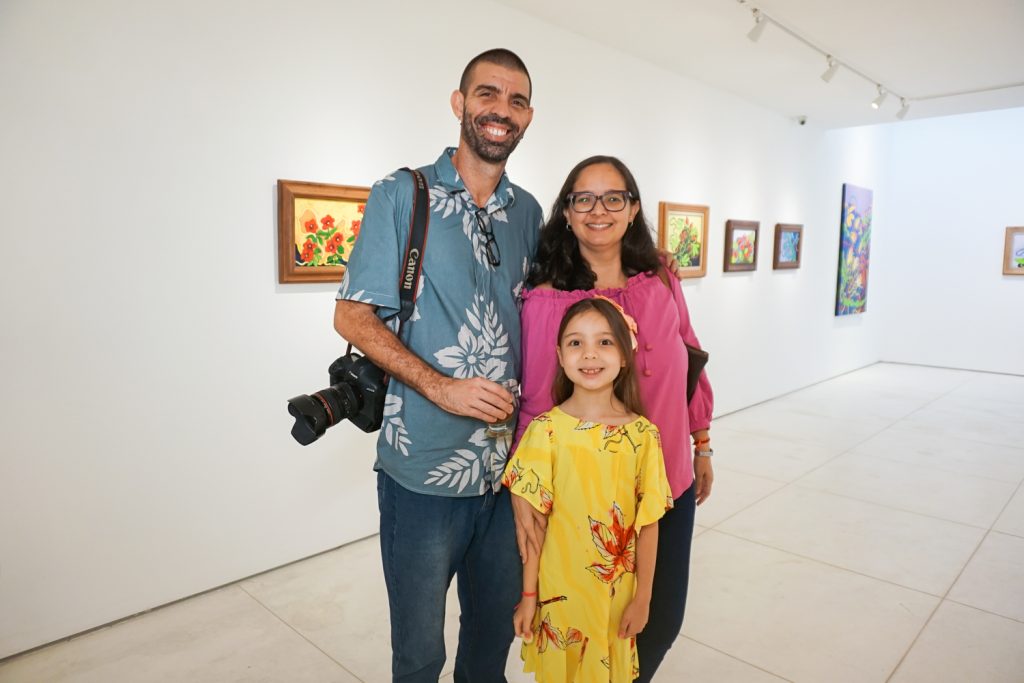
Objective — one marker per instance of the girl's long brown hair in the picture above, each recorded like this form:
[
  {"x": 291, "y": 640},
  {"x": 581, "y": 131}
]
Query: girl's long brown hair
[{"x": 625, "y": 386}]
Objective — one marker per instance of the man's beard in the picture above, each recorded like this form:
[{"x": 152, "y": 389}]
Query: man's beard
[{"x": 488, "y": 150}]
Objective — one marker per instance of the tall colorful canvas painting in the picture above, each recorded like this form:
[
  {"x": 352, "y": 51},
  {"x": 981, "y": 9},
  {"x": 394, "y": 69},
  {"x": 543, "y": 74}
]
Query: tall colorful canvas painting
[{"x": 854, "y": 250}]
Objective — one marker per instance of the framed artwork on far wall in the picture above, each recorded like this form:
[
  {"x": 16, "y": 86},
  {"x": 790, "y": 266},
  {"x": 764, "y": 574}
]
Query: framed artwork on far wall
[
  {"x": 854, "y": 250},
  {"x": 789, "y": 245},
  {"x": 741, "y": 245},
  {"x": 1013, "y": 252},
  {"x": 317, "y": 226},
  {"x": 683, "y": 233}
]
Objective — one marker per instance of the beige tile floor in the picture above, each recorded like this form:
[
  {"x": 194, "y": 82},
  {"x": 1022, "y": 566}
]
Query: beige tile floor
[{"x": 869, "y": 528}]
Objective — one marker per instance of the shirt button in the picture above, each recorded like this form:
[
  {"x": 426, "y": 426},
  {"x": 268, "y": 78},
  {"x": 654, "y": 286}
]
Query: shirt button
[
  {"x": 648, "y": 347},
  {"x": 648, "y": 373}
]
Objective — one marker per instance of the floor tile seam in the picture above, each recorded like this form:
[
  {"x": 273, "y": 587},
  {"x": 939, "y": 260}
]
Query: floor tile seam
[
  {"x": 942, "y": 469},
  {"x": 980, "y": 527},
  {"x": 298, "y": 632},
  {"x": 946, "y": 367},
  {"x": 825, "y": 563},
  {"x": 908, "y": 431},
  {"x": 1016, "y": 482},
  {"x": 115, "y": 622},
  {"x": 846, "y": 451},
  {"x": 1002, "y": 510},
  {"x": 939, "y": 398},
  {"x": 928, "y": 621},
  {"x": 793, "y": 391},
  {"x": 883, "y": 506},
  {"x": 946, "y": 598},
  {"x": 791, "y": 483},
  {"x": 998, "y": 531},
  {"x": 913, "y": 642},
  {"x": 727, "y": 468},
  {"x": 989, "y": 612},
  {"x": 978, "y": 441},
  {"x": 735, "y": 658}
]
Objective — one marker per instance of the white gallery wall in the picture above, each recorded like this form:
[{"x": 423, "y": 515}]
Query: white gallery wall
[
  {"x": 147, "y": 350},
  {"x": 958, "y": 183}
]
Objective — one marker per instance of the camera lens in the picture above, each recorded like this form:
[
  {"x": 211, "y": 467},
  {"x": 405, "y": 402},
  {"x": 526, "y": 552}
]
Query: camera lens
[{"x": 315, "y": 413}]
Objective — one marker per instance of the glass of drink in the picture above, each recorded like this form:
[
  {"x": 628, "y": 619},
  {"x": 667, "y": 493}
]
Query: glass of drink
[{"x": 498, "y": 429}]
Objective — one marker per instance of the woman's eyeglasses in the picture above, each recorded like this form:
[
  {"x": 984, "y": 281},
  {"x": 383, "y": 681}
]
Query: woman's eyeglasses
[{"x": 584, "y": 202}]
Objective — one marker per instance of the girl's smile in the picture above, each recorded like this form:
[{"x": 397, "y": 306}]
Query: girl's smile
[{"x": 588, "y": 352}]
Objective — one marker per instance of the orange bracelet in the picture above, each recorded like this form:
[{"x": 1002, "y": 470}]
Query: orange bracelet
[
  {"x": 530, "y": 595},
  {"x": 701, "y": 442}
]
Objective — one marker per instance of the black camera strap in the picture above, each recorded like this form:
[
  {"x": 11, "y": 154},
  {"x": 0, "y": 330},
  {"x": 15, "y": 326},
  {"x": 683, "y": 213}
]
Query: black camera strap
[
  {"x": 419, "y": 222},
  {"x": 412, "y": 264}
]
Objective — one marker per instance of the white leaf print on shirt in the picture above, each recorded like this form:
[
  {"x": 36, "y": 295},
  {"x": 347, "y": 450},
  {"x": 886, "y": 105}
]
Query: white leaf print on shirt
[
  {"x": 478, "y": 355},
  {"x": 444, "y": 203},
  {"x": 460, "y": 470},
  {"x": 394, "y": 427},
  {"x": 494, "y": 457}
]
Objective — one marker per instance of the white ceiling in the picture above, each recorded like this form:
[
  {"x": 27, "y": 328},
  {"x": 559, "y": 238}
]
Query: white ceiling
[{"x": 921, "y": 50}]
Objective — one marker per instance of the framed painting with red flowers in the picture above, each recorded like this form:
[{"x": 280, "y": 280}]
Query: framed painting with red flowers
[
  {"x": 317, "y": 227},
  {"x": 683, "y": 233},
  {"x": 741, "y": 245}
]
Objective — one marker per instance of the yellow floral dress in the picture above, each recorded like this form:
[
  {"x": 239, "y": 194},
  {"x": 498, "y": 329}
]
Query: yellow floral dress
[{"x": 599, "y": 484}]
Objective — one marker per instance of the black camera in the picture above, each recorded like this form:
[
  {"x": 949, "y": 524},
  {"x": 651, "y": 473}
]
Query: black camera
[{"x": 357, "y": 392}]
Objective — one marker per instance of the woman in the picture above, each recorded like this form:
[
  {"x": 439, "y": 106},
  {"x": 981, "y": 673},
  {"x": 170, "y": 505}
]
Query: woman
[{"x": 596, "y": 241}]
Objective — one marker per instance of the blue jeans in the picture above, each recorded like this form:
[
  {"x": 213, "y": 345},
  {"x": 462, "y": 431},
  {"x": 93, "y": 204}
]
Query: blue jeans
[
  {"x": 671, "y": 577},
  {"x": 424, "y": 541}
]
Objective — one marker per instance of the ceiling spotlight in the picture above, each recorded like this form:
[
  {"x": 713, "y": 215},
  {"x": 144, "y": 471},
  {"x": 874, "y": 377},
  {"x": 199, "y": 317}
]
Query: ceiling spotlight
[
  {"x": 881, "y": 98},
  {"x": 904, "y": 108},
  {"x": 833, "y": 66},
  {"x": 759, "y": 23}
]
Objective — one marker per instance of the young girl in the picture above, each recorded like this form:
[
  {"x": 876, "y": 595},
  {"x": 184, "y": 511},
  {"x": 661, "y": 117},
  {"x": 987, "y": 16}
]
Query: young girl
[{"x": 595, "y": 466}]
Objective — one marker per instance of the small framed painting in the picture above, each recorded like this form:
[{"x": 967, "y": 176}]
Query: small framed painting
[
  {"x": 788, "y": 245},
  {"x": 1013, "y": 252},
  {"x": 317, "y": 226},
  {"x": 741, "y": 245},
  {"x": 683, "y": 233}
]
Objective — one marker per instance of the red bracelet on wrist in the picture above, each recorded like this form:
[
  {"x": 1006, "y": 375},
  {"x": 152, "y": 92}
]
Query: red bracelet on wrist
[
  {"x": 530, "y": 595},
  {"x": 701, "y": 442}
]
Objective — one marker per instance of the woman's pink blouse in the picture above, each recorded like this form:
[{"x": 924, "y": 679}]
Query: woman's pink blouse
[{"x": 664, "y": 324}]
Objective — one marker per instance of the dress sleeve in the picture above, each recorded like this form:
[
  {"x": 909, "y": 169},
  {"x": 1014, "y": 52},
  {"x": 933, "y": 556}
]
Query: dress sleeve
[
  {"x": 528, "y": 473},
  {"x": 703, "y": 402},
  {"x": 653, "y": 493}
]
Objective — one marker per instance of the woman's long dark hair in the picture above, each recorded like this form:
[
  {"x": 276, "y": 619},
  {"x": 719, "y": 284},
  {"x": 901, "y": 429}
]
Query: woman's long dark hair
[
  {"x": 625, "y": 387},
  {"x": 558, "y": 258}
]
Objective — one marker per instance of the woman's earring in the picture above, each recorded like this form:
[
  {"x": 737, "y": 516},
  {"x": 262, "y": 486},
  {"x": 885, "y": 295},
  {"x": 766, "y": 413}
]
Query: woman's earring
[{"x": 568, "y": 227}]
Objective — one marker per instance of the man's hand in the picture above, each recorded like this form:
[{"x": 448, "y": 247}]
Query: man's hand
[
  {"x": 474, "y": 397},
  {"x": 531, "y": 525}
]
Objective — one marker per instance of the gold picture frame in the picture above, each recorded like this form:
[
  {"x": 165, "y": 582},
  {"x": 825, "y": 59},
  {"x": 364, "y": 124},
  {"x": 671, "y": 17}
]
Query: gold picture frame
[
  {"x": 683, "y": 233},
  {"x": 1013, "y": 252},
  {"x": 317, "y": 225}
]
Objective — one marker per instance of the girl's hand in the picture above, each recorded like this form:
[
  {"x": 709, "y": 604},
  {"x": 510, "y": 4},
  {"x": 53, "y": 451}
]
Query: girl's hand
[
  {"x": 522, "y": 621},
  {"x": 634, "y": 618}
]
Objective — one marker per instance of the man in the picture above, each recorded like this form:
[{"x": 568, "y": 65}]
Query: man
[{"x": 442, "y": 510}]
